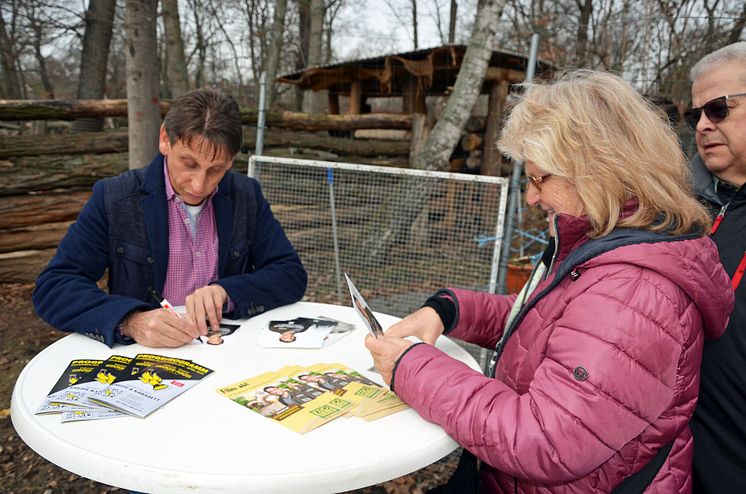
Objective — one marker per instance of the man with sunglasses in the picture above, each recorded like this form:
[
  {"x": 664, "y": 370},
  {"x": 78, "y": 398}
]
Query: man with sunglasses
[{"x": 718, "y": 118}]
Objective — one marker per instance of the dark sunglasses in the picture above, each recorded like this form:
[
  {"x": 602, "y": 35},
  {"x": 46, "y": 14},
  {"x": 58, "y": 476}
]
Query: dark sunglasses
[{"x": 715, "y": 109}]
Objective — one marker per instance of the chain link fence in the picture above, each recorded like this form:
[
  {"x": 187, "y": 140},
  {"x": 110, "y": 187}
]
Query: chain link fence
[{"x": 400, "y": 234}]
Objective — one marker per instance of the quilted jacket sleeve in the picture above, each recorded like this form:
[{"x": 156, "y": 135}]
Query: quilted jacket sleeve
[
  {"x": 493, "y": 310},
  {"x": 628, "y": 336}
]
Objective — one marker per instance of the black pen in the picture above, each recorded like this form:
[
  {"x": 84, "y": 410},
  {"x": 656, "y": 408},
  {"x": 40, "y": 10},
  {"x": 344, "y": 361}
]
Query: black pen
[{"x": 167, "y": 305}]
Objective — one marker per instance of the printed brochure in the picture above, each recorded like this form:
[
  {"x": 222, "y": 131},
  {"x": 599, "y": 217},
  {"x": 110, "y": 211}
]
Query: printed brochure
[{"x": 149, "y": 382}]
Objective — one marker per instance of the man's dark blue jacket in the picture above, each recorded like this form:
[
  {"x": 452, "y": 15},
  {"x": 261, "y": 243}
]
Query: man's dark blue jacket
[{"x": 123, "y": 228}]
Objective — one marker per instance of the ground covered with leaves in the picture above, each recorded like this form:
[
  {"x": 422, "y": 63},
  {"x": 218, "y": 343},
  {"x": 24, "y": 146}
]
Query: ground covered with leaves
[{"x": 23, "y": 471}]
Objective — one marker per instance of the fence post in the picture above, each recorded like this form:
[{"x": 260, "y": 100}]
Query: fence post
[
  {"x": 330, "y": 181},
  {"x": 515, "y": 182}
]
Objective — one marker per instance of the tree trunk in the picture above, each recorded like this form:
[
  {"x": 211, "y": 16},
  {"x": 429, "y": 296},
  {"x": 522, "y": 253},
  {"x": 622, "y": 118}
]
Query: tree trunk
[
  {"x": 176, "y": 67},
  {"x": 452, "y": 22},
  {"x": 99, "y": 21},
  {"x": 143, "y": 104},
  {"x": 304, "y": 32},
  {"x": 412, "y": 196},
  {"x": 314, "y": 101},
  {"x": 275, "y": 48},
  {"x": 11, "y": 82}
]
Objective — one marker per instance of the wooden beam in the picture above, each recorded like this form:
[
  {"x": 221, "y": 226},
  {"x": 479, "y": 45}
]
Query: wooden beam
[
  {"x": 333, "y": 103},
  {"x": 498, "y": 74},
  {"x": 356, "y": 98}
]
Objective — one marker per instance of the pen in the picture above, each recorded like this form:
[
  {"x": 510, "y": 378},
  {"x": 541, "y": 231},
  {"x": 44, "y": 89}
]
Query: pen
[{"x": 167, "y": 305}]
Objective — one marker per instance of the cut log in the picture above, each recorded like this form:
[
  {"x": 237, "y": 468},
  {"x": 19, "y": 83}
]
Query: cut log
[
  {"x": 83, "y": 143},
  {"x": 23, "y": 266},
  {"x": 71, "y": 109},
  {"x": 116, "y": 142},
  {"x": 337, "y": 145},
  {"x": 36, "y": 237},
  {"x": 470, "y": 141},
  {"x": 40, "y": 173},
  {"x": 390, "y": 134},
  {"x": 21, "y": 211}
]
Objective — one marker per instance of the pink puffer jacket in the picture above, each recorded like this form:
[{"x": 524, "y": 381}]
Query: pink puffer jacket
[{"x": 600, "y": 373}]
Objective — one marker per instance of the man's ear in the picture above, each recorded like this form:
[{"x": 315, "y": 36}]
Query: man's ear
[{"x": 164, "y": 144}]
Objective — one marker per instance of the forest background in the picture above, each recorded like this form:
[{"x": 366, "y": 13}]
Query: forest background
[{"x": 52, "y": 49}]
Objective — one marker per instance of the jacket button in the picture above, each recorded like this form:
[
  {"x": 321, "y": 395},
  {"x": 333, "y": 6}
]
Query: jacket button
[
  {"x": 580, "y": 374},
  {"x": 149, "y": 260},
  {"x": 120, "y": 250},
  {"x": 574, "y": 274},
  {"x": 236, "y": 254}
]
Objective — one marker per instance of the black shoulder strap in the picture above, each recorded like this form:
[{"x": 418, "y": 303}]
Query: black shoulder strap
[{"x": 638, "y": 482}]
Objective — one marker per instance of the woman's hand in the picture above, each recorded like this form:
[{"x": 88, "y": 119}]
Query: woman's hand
[
  {"x": 424, "y": 323},
  {"x": 386, "y": 350}
]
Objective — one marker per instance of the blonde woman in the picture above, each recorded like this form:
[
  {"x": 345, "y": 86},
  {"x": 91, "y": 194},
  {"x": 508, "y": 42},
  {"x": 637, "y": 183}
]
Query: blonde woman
[{"x": 596, "y": 368}]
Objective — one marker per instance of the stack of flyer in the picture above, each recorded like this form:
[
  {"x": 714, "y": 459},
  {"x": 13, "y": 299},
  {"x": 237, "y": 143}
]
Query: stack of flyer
[
  {"x": 120, "y": 386},
  {"x": 304, "y": 398}
]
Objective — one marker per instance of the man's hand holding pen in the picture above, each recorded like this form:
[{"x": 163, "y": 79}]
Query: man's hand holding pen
[{"x": 160, "y": 328}]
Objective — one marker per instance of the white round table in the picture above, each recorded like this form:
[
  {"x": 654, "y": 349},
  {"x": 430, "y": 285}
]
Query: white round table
[{"x": 202, "y": 442}]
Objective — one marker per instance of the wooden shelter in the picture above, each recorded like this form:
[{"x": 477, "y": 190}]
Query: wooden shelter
[{"x": 415, "y": 75}]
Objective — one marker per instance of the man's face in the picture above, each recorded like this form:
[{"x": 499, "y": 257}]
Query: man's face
[
  {"x": 193, "y": 171},
  {"x": 722, "y": 146}
]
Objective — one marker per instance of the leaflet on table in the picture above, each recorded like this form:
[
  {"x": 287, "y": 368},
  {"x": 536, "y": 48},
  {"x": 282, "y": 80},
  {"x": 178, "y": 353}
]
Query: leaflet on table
[
  {"x": 369, "y": 397},
  {"x": 304, "y": 398},
  {"x": 303, "y": 332},
  {"x": 78, "y": 371},
  {"x": 149, "y": 382},
  {"x": 291, "y": 403},
  {"x": 90, "y": 414},
  {"x": 109, "y": 371}
]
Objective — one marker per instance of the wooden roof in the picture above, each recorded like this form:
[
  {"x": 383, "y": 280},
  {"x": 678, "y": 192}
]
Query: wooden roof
[{"x": 434, "y": 70}]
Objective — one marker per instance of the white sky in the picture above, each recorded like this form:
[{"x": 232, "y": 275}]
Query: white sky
[{"x": 369, "y": 27}]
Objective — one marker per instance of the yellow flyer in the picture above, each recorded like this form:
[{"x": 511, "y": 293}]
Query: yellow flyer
[
  {"x": 370, "y": 397},
  {"x": 292, "y": 403}
]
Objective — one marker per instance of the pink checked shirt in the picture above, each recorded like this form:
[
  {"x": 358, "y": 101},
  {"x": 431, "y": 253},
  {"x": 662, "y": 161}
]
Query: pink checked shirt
[{"x": 192, "y": 259}]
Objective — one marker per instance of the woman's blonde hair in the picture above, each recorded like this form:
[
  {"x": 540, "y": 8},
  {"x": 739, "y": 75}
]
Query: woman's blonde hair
[{"x": 595, "y": 130}]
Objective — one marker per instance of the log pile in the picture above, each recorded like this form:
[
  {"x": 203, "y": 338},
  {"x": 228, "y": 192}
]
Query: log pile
[{"x": 45, "y": 180}]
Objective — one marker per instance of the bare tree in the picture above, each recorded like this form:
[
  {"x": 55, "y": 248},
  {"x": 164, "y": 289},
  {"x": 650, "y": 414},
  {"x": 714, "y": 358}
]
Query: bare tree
[
  {"x": 38, "y": 32},
  {"x": 9, "y": 49},
  {"x": 275, "y": 48},
  {"x": 143, "y": 103},
  {"x": 99, "y": 22},
  {"x": 439, "y": 145},
  {"x": 407, "y": 18},
  {"x": 313, "y": 101},
  {"x": 176, "y": 67},
  {"x": 452, "y": 22}
]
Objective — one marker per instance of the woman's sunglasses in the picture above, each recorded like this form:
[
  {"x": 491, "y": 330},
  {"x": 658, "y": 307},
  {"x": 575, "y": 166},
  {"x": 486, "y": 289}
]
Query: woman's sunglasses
[{"x": 715, "y": 109}]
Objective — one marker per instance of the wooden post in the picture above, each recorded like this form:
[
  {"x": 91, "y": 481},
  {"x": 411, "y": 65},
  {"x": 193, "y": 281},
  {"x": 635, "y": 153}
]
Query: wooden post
[
  {"x": 491, "y": 158},
  {"x": 356, "y": 97},
  {"x": 333, "y": 102},
  {"x": 409, "y": 88}
]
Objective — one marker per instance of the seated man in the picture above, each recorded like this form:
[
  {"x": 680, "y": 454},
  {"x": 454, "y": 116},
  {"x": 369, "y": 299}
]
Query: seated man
[{"x": 183, "y": 226}]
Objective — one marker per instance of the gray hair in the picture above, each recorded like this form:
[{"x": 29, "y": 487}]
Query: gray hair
[{"x": 735, "y": 52}]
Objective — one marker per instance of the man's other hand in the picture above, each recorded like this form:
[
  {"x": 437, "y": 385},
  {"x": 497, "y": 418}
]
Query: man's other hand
[{"x": 205, "y": 306}]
